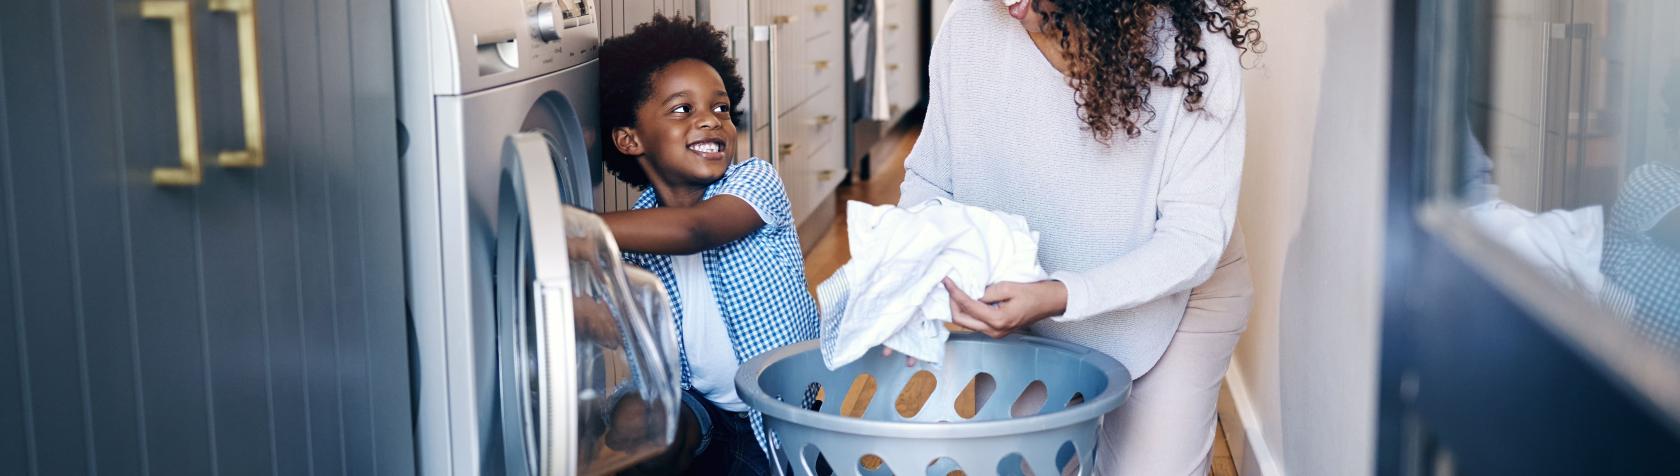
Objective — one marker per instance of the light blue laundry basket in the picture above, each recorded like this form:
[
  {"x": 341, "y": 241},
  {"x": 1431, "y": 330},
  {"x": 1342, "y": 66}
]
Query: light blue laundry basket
[{"x": 1078, "y": 385}]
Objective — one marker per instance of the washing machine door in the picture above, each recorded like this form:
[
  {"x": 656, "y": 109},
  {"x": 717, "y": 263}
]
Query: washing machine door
[
  {"x": 554, "y": 119},
  {"x": 586, "y": 354}
]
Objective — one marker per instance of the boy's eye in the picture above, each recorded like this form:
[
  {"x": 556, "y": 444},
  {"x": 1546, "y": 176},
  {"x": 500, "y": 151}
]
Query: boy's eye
[
  {"x": 720, "y": 108},
  {"x": 683, "y": 109}
]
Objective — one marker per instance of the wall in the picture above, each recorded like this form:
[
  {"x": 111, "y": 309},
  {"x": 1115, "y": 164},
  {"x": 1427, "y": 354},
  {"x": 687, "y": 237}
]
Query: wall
[{"x": 1303, "y": 381}]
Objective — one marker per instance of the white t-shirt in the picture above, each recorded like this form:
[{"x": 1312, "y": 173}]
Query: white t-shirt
[{"x": 711, "y": 355}]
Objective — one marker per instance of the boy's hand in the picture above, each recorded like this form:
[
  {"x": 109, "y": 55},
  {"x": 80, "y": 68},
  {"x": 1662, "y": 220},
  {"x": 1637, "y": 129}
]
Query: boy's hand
[{"x": 1007, "y": 307}]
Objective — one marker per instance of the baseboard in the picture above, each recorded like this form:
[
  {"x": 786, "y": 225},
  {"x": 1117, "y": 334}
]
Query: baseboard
[{"x": 1242, "y": 424}]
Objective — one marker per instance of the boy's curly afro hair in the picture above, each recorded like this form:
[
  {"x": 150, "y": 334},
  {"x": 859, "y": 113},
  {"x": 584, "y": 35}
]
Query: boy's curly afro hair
[{"x": 628, "y": 64}]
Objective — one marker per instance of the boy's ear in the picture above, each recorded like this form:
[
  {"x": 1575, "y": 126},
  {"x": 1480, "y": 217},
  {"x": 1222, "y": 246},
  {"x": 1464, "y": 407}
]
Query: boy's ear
[{"x": 627, "y": 142}]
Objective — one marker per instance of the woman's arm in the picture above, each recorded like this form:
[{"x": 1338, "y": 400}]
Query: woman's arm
[
  {"x": 709, "y": 224},
  {"x": 1196, "y": 210},
  {"x": 927, "y": 171}
]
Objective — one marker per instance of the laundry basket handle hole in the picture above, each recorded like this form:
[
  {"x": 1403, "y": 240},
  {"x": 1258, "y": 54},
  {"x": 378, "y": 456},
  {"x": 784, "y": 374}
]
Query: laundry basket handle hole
[
  {"x": 1078, "y": 398},
  {"x": 944, "y": 466},
  {"x": 1014, "y": 465},
  {"x": 974, "y": 396},
  {"x": 1067, "y": 459},
  {"x": 858, "y": 397},
  {"x": 813, "y": 399},
  {"x": 1030, "y": 401},
  {"x": 870, "y": 464},
  {"x": 916, "y": 393}
]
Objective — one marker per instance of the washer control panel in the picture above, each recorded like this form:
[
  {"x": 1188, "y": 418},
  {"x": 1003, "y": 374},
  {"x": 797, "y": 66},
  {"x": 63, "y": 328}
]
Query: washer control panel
[
  {"x": 550, "y": 18},
  {"x": 546, "y": 22},
  {"x": 503, "y": 41}
]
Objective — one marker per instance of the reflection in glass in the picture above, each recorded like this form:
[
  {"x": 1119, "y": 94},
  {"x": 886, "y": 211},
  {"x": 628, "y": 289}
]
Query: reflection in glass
[
  {"x": 627, "y": 394},
  {"x": 1571, "y": 149},
  {"x": 586, "y": 383}
]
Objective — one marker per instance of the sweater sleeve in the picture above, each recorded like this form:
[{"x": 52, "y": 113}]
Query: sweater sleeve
[
  {"x": 1196, "y": 211},
  {"x": 927, "y": 170}
]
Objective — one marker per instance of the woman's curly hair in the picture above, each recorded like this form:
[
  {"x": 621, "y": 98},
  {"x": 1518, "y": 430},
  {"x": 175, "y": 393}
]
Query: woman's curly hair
[
  {"x": 1110, "y": 46},
  {"x": 628, "y": 64}
]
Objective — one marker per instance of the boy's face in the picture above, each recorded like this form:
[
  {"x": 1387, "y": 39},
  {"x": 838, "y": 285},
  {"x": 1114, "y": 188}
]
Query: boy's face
[{"x": 684, "y": 135}]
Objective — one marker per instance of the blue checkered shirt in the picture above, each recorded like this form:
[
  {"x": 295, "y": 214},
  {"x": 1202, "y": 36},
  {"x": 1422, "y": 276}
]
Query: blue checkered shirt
[
  {"x": 1646, "y": 273},
  {"x": 759, "y": 280}
]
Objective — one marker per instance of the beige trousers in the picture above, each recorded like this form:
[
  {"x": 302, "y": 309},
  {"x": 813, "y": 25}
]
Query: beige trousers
[{"x": 1166, "y": 427}]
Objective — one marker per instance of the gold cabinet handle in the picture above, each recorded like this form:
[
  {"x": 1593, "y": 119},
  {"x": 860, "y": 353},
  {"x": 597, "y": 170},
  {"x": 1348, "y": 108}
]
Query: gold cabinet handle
[
  {"x": 250, "y": 84},
  {"x": 824, "y": 120},
  {"x": 788, "y": 149},
  {"x": 825, "y": 175},
  {"x": 179, "y": 15},
  {"x": 820, "y": 7},
  {"x": 892, "y": 67},
  {"x": 892, "y": 27},
  {"x": 784, "y": 19},
  {"x": 820, "y": 64}
]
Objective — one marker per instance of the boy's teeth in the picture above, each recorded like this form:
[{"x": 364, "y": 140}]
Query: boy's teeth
[{"x": 704, "y": 147}]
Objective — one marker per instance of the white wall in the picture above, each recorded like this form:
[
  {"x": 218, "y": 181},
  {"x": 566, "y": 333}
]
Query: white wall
[{"x": 1312, "y": 209}]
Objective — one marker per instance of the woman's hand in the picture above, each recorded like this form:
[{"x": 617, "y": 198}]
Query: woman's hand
[{"x": 1007, "y": 307}]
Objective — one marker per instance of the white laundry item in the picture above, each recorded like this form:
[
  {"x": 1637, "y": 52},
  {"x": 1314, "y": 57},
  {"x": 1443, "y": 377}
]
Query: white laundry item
[
  {"x": 891, "y": 293},
  {"x": 1568, "y": 245},
  {"x": 861, "y": 49},
  {"x": 879, "y": 100}
]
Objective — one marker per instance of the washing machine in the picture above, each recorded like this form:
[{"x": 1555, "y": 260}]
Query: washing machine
[{"x": 530, "y": 342}]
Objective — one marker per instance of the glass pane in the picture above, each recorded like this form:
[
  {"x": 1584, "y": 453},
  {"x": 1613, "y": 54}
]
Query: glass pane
[
  {"x": 1569, "y": 148},
  {"x": 557, "y": 268},
  {"x": 627, "y": 402}
]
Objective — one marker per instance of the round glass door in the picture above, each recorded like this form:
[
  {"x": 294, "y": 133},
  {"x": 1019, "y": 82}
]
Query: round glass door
[{"x": 586, "y": 380}]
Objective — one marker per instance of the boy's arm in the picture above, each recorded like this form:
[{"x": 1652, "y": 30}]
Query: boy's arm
[{"x": 687, "y": 230}]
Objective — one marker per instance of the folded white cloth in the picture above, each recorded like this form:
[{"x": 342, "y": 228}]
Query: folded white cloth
[{"x": 890, "y": 292}]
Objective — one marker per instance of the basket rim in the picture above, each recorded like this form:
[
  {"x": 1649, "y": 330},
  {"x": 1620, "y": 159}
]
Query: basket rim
[{"x": 1119, "y": 388}]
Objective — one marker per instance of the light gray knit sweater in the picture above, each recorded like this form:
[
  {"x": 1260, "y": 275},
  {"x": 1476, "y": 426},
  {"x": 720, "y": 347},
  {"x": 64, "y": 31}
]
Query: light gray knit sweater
[{"x": 1129, "y": 226}]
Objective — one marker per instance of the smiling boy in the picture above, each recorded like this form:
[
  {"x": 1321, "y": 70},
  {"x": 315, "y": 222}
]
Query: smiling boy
[{"x": 719, "y": 235}]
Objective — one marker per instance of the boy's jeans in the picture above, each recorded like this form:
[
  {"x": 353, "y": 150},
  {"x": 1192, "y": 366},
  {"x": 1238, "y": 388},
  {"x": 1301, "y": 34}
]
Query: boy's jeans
[{"x": 727, "y": 445}]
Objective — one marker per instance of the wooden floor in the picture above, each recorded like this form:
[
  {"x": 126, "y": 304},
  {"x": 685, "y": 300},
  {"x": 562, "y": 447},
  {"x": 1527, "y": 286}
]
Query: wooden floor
[{"x": 832, "y": 250}]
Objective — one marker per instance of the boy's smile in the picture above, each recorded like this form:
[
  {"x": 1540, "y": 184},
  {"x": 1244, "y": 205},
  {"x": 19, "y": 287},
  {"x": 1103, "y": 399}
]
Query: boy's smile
[{"x": 684, "y": 135}]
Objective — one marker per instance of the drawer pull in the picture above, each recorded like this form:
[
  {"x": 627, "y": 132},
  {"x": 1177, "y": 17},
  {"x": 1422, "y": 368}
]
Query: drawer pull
[
  {"x": 179, "y": 15},
  {"x": 784, "y": 19},
  {"x": 821, "y": 65},
  {"x": 892, "y": 66},
  {"x": 892, "y": 27},
  {"x": 250, "y": 84},
  {"x": 824, "y": 120},
  {"x": 820, "y": 7},
  {"x": 788, "y": 149},
  {"x": 825, "y": 175}
]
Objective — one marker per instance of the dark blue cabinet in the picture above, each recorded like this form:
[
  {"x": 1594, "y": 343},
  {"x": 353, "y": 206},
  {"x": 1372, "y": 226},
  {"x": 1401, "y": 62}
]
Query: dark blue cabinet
[{"x": 252, "y": 322}]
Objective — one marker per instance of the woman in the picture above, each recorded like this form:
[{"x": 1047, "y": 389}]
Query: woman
[{"x": 1116, "y": 128}]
